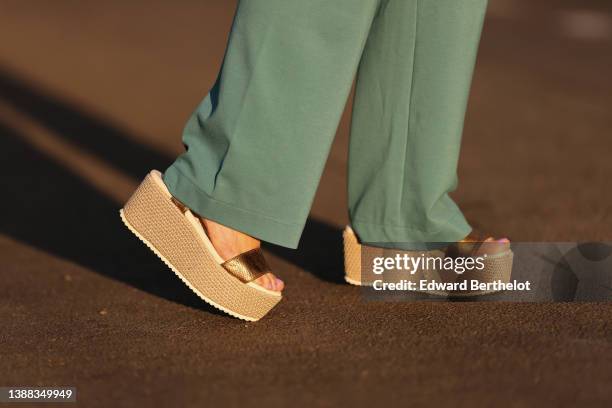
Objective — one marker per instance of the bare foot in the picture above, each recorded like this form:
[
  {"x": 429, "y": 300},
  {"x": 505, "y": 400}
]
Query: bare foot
[
  {"x": 488, "y": 246},
  {"x": 230, "y": 243},
  {"x": 492, "y": 246}
]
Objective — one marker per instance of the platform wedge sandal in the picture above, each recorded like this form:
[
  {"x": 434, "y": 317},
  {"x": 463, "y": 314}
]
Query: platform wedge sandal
[
  {"x": 494, "y": 263},
  {"x": 177, "y": 237}
]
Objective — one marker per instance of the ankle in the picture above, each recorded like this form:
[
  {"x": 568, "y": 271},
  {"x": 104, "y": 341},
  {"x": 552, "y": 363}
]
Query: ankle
[{"x": 228, "y": 242}]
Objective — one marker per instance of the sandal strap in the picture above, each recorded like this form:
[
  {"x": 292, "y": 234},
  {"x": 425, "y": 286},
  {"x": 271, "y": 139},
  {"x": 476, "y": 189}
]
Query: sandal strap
[
  {"x": 248, "y": 265},
  {"x": 470, "y": 245}
]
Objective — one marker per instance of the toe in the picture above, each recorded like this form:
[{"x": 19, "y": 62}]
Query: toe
[
  {"x": 271, "y": 282},
  {"x": 263, "y": 281},
  {"x": 492, "y": 246},
  {"x": 280, "y": 285}
]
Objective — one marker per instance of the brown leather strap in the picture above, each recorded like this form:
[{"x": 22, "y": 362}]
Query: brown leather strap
[
  {"x": 469, "y": 245},
  {"x": 247, "y": 266}
]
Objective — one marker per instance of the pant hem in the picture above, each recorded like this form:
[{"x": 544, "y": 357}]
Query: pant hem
[
  {"x": 409, "y": 238},
  {"x": 260, "y": 226}
]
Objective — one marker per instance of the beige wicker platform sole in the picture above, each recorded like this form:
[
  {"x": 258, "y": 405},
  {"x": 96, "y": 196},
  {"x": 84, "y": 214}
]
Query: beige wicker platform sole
[
  {"x": 496, "y": 268},
  {"x": 180, "y": 241}
]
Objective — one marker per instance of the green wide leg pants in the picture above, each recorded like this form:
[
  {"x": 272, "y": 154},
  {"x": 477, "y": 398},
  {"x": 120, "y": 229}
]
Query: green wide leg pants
[{"x": 257, "y": 144}]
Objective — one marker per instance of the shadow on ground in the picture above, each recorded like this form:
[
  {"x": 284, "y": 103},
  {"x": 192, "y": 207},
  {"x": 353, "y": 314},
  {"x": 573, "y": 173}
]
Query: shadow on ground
[{"x": 49, "y": 207}]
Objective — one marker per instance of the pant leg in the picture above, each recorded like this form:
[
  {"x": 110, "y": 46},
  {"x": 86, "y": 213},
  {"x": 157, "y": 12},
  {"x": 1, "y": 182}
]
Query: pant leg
[
  {"x": 257, "y": 144},
  {"x": 412, "y": 88}
]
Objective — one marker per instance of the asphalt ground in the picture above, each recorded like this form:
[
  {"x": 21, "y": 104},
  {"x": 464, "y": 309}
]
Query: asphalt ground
[{"x": 94, "y": 94}]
